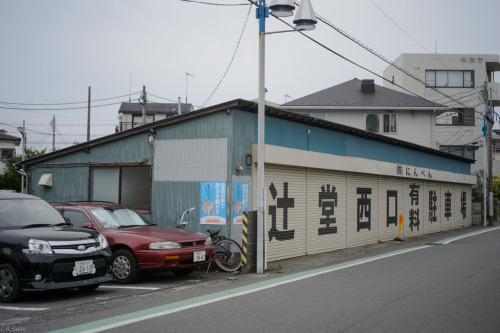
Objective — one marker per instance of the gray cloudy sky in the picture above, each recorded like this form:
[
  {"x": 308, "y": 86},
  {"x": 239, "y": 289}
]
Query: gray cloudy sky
[{"x": 53, "y": 50}]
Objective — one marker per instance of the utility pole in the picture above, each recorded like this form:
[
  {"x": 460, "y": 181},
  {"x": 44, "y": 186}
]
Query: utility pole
[
  {"x": 488, "y": 172},
  {"x": 490, "y": 160},
  {"x": 88, "y": 119},
  {"x": 53, "y": 124},
  {"x": 144, "y": 101}
]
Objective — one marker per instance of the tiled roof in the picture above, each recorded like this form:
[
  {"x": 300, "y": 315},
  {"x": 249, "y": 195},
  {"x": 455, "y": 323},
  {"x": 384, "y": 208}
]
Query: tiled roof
[
  {"x": 349, "y": 94},
  {"x": 5, "y": 136},
  {"x": 164, "y": 108}
]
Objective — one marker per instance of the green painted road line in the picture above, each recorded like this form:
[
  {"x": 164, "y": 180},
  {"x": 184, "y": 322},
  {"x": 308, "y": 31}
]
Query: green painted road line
[
  {"x": 452, "y": 239},
  {"x": 133, "y": 317}
]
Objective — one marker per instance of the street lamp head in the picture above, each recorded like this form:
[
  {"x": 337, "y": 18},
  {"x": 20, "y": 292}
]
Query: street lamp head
[
  {"x": 282, "y": 8},
  {"x": 305, "y": 19}
]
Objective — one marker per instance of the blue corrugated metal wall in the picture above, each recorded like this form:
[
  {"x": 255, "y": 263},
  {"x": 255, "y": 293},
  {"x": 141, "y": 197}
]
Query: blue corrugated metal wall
[
  {"x": 171, "y": 198},
  {"x": 294, "y": 135}
]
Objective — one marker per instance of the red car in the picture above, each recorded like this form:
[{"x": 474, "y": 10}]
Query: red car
[{"x": 137, "y": 243}]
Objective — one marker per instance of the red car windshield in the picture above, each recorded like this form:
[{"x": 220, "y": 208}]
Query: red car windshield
[{"x": 118, "y": 217}]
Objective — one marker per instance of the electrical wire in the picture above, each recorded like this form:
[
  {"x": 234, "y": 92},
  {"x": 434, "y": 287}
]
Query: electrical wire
[
  {"x": 343, "y": 33},
  {"x": 59, "y": 109},
  {"x": 70, "y": 103},
  {"x": 231, "y": 61},
  {"x": 215, "y": 3}
]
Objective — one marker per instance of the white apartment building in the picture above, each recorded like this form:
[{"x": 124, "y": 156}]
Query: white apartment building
[
  {"x": 8, "y": 145},
  {"x": 457, "y": 81}
]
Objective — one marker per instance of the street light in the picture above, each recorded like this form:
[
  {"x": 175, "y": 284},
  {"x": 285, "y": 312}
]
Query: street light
[
  {"x": 305, "y": 19},
  {"x": 487, "y": 151}
]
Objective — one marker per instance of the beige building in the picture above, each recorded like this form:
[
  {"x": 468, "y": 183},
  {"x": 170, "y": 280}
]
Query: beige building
[{"x": 457, "y": 81}]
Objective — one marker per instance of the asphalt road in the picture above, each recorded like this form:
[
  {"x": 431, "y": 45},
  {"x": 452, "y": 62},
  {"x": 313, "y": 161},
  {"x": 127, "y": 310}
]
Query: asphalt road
[{"x": 424, "y": 285}]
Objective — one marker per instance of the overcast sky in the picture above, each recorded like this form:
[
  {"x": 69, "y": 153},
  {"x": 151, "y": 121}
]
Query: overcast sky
[{"x": 53, "y": 50}]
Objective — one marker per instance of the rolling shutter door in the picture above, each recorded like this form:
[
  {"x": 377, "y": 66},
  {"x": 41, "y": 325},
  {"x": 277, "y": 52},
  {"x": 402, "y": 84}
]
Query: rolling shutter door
[
  {"x": 362, "y": 209},
  {"x": 448, "y": 210},
  {"x": 286, "y": 208},
  {"x": 414, "y": 208},
  {"x": 432, "y": 207},
  {"x": 326, "y": 210},
  {"x": 391, "y": 205}
]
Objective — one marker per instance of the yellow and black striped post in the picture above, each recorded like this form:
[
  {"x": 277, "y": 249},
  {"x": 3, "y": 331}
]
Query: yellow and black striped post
[
  {"x": 249, "y": 242},
  {"x": 244, "y": 240}
]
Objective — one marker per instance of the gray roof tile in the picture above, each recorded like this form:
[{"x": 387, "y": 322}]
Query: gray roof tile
[{"x": 349, "y": 94}]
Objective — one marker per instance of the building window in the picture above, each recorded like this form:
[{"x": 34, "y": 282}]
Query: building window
[
  {"x": 459, "y": 151},
  {"x": 7, "y": 154},
  {"x": 130, "y": 186},
  {"x": 137, "y": 120},
  {"x": 457, "y": 117},
  {"x": 449, "y": 78},
  {"x": 388, "y": 125}
]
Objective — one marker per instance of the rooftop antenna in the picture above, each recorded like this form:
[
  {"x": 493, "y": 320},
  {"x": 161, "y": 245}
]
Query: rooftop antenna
[
  {"x": 129, "y": 86},
  {"x": 286, "y": 95},
  {"x": 187, "y": 76}
]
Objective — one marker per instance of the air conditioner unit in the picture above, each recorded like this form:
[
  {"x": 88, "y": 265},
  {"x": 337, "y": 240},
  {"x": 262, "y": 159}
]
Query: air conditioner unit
[{"x": 373, "y": 123}]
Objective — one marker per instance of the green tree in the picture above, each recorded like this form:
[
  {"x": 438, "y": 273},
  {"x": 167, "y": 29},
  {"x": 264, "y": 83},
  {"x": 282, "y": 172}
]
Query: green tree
[{"x": 11, "y": 179}]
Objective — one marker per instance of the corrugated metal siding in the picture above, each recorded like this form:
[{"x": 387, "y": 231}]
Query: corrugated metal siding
[
  {"x": 69, "y": 183},
  {"x": 292, "y": 135},
  {"x": 414, "y": 208},
  {"x": 391, "y": 205},
  {"x": 286, "y": 206},
  {"x": 432, "y": 207},
  {"x": 362, "y": 210},
  {"x": 171, "y": 198},
  {"x": 326, "y": 203}
]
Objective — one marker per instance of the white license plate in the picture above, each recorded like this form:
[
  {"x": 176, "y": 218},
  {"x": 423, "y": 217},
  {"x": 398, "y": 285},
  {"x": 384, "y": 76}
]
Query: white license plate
[
  {"x": 83, "y": 267},
  {"x": 198, "y": 256}
]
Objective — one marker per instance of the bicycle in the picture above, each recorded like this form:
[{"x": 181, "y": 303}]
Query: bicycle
[{"x": 227, "y": 251}]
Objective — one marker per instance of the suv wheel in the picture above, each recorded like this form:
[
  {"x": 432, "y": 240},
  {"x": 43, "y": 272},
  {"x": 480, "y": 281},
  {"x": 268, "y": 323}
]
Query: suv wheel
[
  {"x": 9, "y": 283},
  {"x": 124, "y": 266}
]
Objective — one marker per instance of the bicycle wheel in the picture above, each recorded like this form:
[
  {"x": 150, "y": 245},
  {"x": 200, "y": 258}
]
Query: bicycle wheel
[{"x": 228, "y": 255}]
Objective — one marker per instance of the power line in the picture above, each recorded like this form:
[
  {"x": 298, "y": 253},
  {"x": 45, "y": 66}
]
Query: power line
[
  {"x": 345, "y": 34},
  {"x": 59, "y": 109},
  {"x": 67, "y": 103},
  {"x": 232, "y": 58},
  {"x": 216, "y": 3}
]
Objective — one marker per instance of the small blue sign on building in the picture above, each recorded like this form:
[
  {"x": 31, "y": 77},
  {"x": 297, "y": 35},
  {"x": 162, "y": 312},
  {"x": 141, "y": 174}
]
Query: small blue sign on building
[
  {"x": 213, "y": 203},
  {"x": 240, "y": 201}
]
